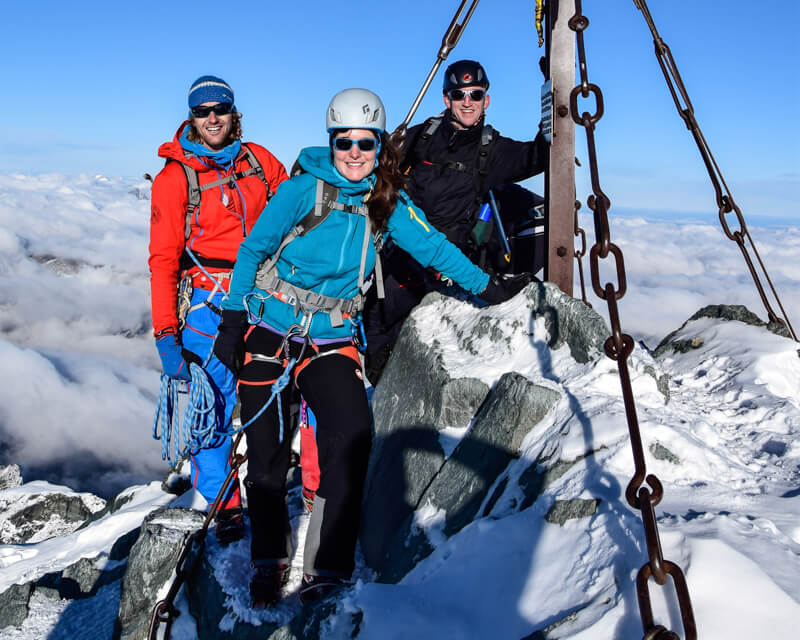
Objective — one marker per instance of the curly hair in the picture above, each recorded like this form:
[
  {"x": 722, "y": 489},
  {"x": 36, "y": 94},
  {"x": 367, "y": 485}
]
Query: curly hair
[
  {"x": 236, "y": 130},
  {"x": 390, "y": 181}
]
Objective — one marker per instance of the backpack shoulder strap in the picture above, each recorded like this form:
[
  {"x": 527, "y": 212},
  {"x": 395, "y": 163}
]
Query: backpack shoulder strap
[
  {"x": 256, "y": 168},
  {"x": 193, "y": 200},
  {"x": 488, "y": 139},
  {"x": 422, "y": 144},
  {"x": 324, "y": 201}
]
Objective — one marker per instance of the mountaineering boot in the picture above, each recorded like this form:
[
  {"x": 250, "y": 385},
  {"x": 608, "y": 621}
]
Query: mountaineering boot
[
  {"x": 314, "y": 588},
  {"x": 266, "y": 584},
  {"x": 230, "y": 525}
]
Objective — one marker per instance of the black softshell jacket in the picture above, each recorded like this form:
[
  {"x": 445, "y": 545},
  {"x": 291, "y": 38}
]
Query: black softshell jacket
[{"x": 447, "y": 195}]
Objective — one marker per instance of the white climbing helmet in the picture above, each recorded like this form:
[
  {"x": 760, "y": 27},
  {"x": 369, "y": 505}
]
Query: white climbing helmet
[{"x": 356, "y": 109}]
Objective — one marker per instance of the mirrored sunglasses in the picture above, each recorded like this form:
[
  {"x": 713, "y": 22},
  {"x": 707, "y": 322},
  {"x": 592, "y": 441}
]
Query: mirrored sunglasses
[
  {"x": 220, "y": 109},
  {"x": 364, "y": 144},
  {"x": 459, "y": 94}
]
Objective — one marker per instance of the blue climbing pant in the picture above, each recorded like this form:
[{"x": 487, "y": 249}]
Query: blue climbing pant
[{"x": 211, "y": 465}]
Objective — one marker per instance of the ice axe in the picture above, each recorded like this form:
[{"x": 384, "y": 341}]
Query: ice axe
[
  {"x": 500, "y": 230},
  {"x": 449, "y": 42}
]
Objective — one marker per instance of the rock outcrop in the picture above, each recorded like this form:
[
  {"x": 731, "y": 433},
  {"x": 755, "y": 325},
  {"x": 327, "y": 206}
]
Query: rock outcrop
[
  {"x": 151, "y": 565},
  {"x": 727, "y": 312},
  {"x": 41, "y": 511},
  {"x": 416, "y": 400}
]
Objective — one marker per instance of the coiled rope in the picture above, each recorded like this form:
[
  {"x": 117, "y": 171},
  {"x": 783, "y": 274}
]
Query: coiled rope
[
  {"x": 199, "y": 420},
  {"x": 199, "y": 426}
]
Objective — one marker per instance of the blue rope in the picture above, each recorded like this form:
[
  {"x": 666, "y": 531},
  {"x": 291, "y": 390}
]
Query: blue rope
[
  {"x": 163, "y": 419},
  {"x": 277, "y": 386},
  {"x": 199, "y": 420}
]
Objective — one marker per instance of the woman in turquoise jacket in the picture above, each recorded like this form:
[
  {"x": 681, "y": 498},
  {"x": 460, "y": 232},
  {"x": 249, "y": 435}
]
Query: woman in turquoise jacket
[{"x": 294, "y": 301}]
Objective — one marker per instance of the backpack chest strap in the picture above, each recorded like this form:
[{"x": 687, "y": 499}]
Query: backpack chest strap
[
  {"x": 237, "y": 175},
  {"x": 309, "y": 302}
]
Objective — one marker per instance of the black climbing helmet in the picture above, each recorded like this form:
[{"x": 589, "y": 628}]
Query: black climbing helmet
[{"x": 465, "y": 73}]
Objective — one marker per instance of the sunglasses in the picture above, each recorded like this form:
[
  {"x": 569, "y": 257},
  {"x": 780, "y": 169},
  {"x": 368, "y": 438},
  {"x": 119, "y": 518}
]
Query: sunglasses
[
  {"x": 364, "y": 144},
  {"x": 459, "y": 94},
  {"x": 220, "y": 109}
]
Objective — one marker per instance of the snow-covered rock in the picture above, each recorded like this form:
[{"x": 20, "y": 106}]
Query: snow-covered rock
[
  {"x": 38, "y": 510},
  {"x": 417, "y": 427},
  {"x": 84, "y": 566},
  {"x": 10, "y": 476}
]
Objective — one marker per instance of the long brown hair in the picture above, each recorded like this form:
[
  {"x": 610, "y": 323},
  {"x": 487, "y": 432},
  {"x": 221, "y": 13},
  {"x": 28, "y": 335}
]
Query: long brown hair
[
  {"x": 236, "y": 130},
  {"x": 390, "y": 180}
]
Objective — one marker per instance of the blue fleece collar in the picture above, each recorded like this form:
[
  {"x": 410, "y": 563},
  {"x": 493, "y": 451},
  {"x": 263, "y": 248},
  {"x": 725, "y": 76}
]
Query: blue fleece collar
[
  {"x": 225, "y": 157},
  {"x": 317, "y": 162}
]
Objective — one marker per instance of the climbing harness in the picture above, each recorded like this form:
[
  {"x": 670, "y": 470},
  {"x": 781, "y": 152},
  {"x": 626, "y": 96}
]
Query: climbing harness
[
  {"x": 165, "y": 612},
  {"x": 186, "y": 289},
  {"x": 618, "y": 347},
  {"x": 449, "y": 41},
  {"x": 296, "y": 331},
  {"x": 724, "y": 198}
]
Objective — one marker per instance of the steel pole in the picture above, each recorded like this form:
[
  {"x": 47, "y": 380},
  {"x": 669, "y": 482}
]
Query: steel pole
[{"x": 560, "y": 176}]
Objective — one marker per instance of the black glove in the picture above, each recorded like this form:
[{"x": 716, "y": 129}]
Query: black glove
[
  {"x": 501, "y": 289},
  {"x": 229, "y": 343}
]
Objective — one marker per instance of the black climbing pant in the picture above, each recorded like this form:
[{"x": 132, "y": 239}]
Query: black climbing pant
[{"x": 331, "y": 382}]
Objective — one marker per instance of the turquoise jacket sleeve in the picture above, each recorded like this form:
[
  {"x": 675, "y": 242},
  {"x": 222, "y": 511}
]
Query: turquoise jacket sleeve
[
  {"x": 279, "y": 217},
  {"x": 411, "y": 231}
]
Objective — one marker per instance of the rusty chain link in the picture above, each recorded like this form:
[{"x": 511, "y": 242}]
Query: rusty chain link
[
  {"x": 165, "y": 611},
  {"x": 618, "y": 347},
  {"x": 724, "y": 198}
]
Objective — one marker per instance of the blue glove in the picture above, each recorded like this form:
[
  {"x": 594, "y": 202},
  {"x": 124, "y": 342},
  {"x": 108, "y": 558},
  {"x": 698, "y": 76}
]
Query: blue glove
[{"x": 172, "y": 361}]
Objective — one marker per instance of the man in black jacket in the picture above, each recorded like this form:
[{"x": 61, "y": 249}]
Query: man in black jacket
[{"x": 452, "y": 161}]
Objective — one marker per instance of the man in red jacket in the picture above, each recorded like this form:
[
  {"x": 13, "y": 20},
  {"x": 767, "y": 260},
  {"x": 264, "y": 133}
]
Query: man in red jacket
[{"x": 204, "y": 203}]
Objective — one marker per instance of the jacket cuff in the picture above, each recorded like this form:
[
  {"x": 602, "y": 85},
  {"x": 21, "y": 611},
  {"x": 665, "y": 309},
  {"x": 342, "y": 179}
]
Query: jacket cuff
[{"x": 165, "y": 332}]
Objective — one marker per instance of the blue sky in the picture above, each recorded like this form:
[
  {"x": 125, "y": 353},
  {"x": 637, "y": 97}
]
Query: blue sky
[{"x": 99, "y": 85}]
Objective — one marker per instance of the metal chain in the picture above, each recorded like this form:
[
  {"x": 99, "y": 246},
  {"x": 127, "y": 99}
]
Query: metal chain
[
  {"x": 618, "y": 347},
  {"x": 165, "y": 612},
  {"x": 724, "y": 198},
  {"x": 579, "y": 253}
]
